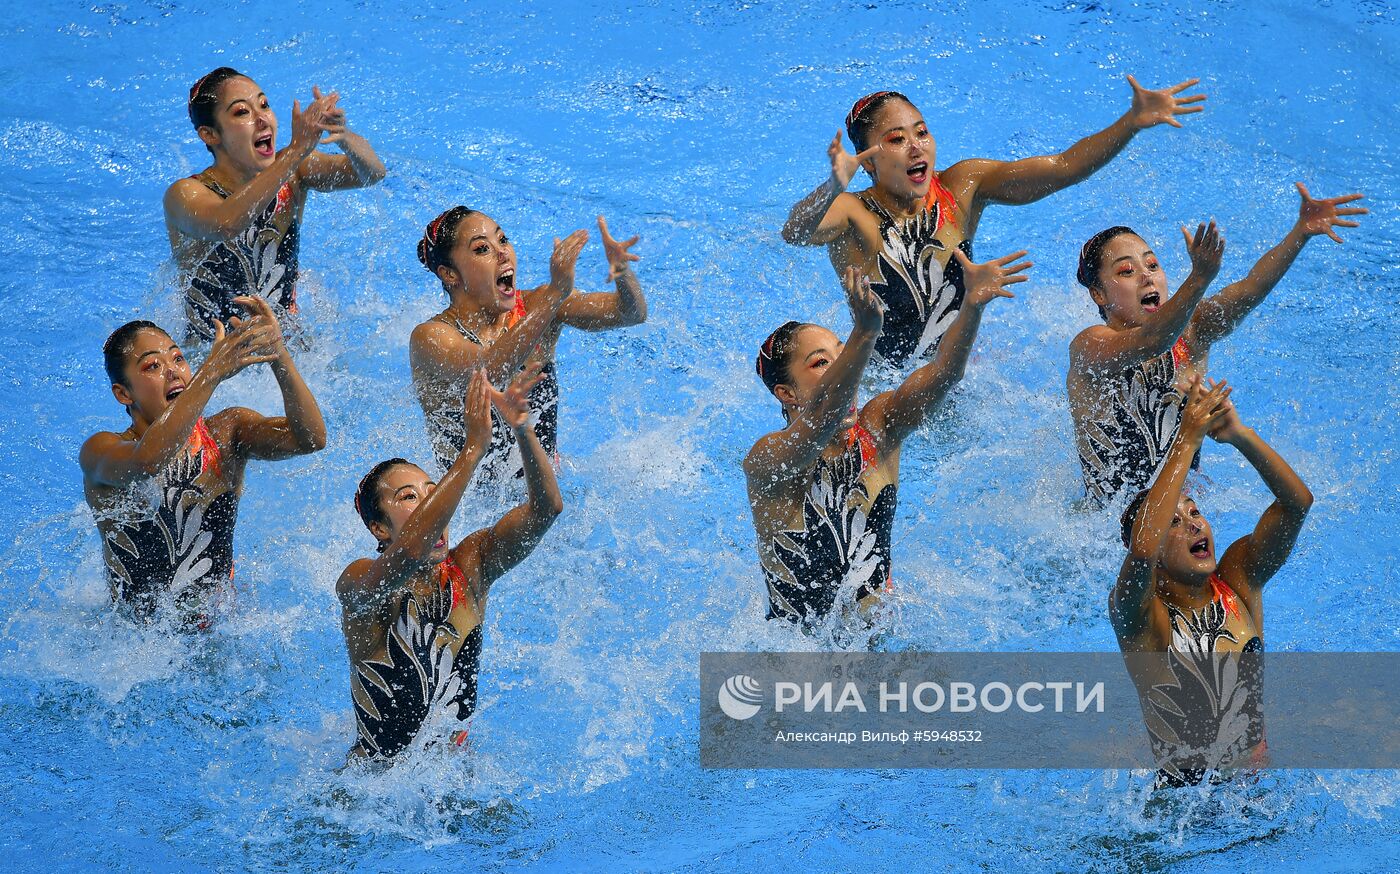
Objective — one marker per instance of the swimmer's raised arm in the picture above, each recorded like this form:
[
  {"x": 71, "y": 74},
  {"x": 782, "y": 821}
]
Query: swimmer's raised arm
[
  {"x": 1205, "y": 409},
  {"x": 790, "y": 453},
  {"x": 905, "y": 408},
  {"x": 604, "y": 310},
  {"x": 108, "y": 459},
  {"x": 196, "y": 211},
  {"x": 366, "y": 585},
  {"x": 813, "y": 221},
  {"x": 1102, "y": 348},
  {"x": 1030, "y": 179},
  {"x": 439, "y": 347},
  {"x": 358, "y": 167},
  {"x": 504, "y": 545},
  {"x": 1259, "y": 556},
  {"x": 301, "y": 429},
  {"x": 1221, "y": 313}
]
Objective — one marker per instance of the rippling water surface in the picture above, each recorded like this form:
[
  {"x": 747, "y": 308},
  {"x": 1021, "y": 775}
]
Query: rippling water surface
[{"x": 695, "y": 126}]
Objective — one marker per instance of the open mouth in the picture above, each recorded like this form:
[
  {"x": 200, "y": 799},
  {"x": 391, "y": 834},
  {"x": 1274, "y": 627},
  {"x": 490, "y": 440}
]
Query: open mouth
[
  {"x": 441, "y": 542},
  {"x": 918, "y": 173},
  {"x": 263, "y": 145},
  {"x": 1152, "y": 301},
  {"x": 1201, "y": 548},
  {"x": 505, "y": 284},
  {"x": 174, "y": 393}
]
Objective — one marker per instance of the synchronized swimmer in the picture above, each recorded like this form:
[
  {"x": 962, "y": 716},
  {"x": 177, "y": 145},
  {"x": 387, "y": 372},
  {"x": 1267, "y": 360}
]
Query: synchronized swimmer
[
  {"x": 1128, "y": 377},
  {"x": 491, "y": 323},
  {"x": 902, "y": 230},
  {"x": 164, "y": 492},
  {"x": 235, "y": 228},
  {"x": 822, "y": 489}
]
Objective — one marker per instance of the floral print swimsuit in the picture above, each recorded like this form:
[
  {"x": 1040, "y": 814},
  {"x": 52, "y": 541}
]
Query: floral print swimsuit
[{"x": 261, "y": 261}]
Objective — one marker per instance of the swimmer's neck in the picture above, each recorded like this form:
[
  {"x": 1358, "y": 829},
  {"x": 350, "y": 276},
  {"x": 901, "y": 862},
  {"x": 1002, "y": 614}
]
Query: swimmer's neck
[
  {"x": 472, "y": 315},
  {"x": 226, "y": 171},
  {"x": 1193, "y": 591},
  {"x": 139, "y": 423},
  {"x": 1118, "y": 323},
  {"x": 899, "y": 207}
]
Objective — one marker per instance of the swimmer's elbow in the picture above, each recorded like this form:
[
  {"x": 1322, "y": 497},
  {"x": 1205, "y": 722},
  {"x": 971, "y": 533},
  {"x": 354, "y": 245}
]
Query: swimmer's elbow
[
  {"x": 1302, "y": 502},
  {"x": 545, "y": 508}
]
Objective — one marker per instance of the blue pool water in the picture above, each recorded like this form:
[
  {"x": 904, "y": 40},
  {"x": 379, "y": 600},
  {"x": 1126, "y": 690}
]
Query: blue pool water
[{"x": 696, "y": 126}]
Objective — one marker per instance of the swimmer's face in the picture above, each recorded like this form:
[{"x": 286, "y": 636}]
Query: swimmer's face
[
  {"x": 401, "y": 491},
  {"x": 245, "y": 128},
  {"x": 1131, "y": 285},
  {"x": 904, "y": 164},
  {"x": 1190, "y": 546},
  {"x": 814, "y": 350},
  {"x": 482, "y": 264},
  {"x": 156, "y": 373}
]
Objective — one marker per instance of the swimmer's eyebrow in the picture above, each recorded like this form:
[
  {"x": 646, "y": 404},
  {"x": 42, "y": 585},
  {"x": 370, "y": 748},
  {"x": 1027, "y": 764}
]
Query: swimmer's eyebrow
[
  {"x": 1126, "y": 257},
  {"x": 821, "y": 351},
  {"x": 919, "y": 123},
  {"x": 231, "y": 103},
  {"x": 156, "y": 352},
  {"x": 478, "y": 237}
]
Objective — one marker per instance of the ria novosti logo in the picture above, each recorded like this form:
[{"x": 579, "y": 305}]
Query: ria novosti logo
[{"x": 740, "y": 697}]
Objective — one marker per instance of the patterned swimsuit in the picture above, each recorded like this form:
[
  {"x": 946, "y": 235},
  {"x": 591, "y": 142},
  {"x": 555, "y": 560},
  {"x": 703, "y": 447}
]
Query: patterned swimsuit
[
  {"x": 922, "y": 297},
  {"x": 844, "y": 541},
  {"x": 261, "y": 261},
  {"x": 177, "y": 544},
  {"x": 419, "y": 670},
  {"x": 1212, "y": 715},
  {"x": 447, "y": 432},
  {"x": 1124, "y": 446}
]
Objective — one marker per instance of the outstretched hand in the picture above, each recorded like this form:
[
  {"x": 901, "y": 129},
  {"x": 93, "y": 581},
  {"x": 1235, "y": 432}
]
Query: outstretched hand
[
  {"x": 618, "y": 253},
  {"x": 260, "y": 312},
  {"x": 1151, "y": 108},
  {"x": 988, "y": 280},
  {"x": 867, "y": 310},
  {"x": 513, "y": 403},
  {"x": 1206, "y": 249},
  {"x": 332, "y": 121},
  {"x": 565, "y": 259},
  {"x": 476, "y": 411},
  {"x": 1321, "y": 216},
  {"x": 307, "y": 124},
  {"x": 843, "y": 164},
  {"x": 1229, "y": 428},
  {"x": 1206, "y": 408},
  {"x": 245, "y": 343}
]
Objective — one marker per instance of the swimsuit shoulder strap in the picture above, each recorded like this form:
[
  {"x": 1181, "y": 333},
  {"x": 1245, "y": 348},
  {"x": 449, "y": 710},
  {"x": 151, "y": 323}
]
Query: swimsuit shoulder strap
[
  {"x": 1181, "y": 353},
  {"x": 467, "y": 333},
  {"x": 874, "y": 206},
  {"x": 1222, "y": 592},
  {"x": 860, "y": 435},
  {"x": 449, "y": 574},
  {"x": 202, "y": 440},
  {"x": 517, "y": 312},
  {"x": 943, "y": 199},
  {"x": 212, "y": 184}
]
